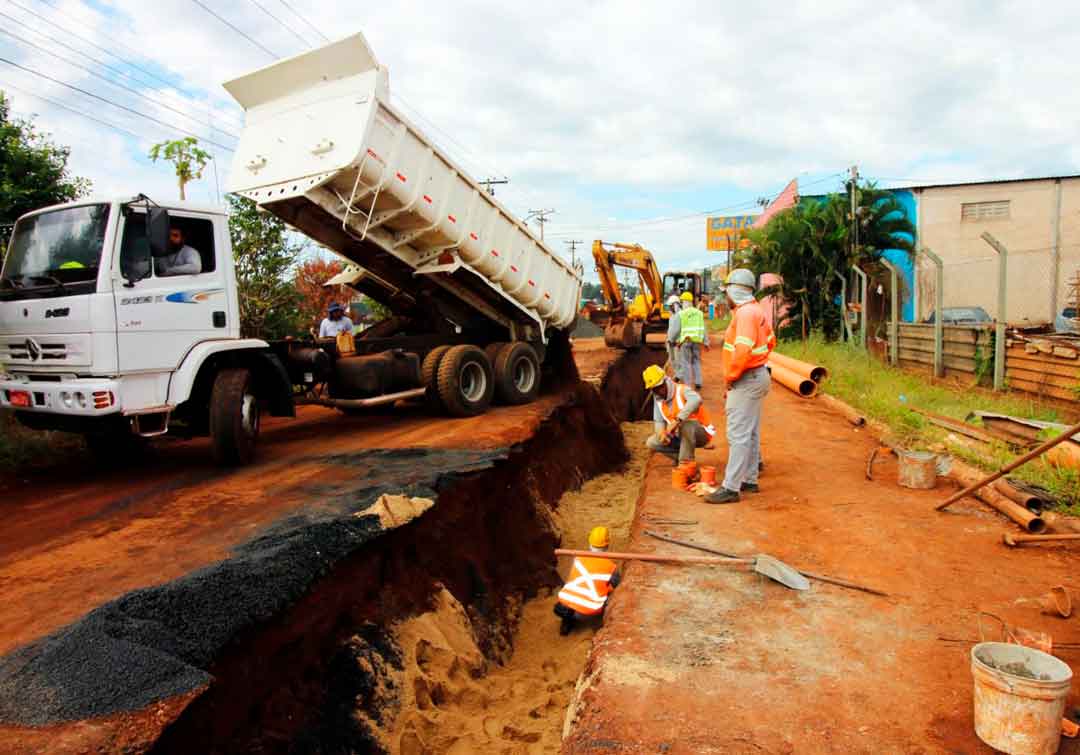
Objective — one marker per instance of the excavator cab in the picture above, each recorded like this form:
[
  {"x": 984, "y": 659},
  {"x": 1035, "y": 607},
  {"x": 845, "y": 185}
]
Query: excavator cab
[{"x": 677, "y": 282}]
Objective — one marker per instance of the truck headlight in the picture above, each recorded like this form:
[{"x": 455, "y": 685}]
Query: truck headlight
[
  {"x": 65, "y": 397},
  {"x": 80, "y": 399}
]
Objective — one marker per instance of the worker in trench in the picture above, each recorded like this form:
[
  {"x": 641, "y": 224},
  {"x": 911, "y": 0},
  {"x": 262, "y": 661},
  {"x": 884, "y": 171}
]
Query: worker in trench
[
  {"x": 748, "y": 342},
  {"x": 686, "y": 337},
  {"x": 591, "y": 581},
  {"x": 680, "y": 420}
]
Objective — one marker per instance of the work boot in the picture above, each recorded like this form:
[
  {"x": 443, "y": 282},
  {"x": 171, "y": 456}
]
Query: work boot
[
  {"x": 566, "y": 626},
  {"x": 722, "y": 495},
  {"x": 750, "y": 487}
]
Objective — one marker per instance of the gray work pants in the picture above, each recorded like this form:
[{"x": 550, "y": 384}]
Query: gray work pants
[
  {"x": 691, "y": 437},
  {"x": 743, "y": 410},
  {"x": 688, "y": 363}
]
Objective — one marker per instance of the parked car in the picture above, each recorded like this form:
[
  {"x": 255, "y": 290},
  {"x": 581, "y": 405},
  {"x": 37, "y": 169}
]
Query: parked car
[
  {"x": 1068, "y": 321},
  {"x": 962, "y": 316}
]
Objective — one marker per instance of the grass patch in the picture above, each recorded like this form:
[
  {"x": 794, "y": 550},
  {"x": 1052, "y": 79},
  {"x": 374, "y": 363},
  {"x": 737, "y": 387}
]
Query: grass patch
[{"x": 887, "y": 395}]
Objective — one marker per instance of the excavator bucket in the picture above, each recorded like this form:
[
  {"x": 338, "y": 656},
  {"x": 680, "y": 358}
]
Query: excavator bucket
[{"x": 623, "y": 334}]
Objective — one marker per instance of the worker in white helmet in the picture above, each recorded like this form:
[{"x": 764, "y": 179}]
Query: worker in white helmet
[
  {"x": 591, "y": 580},
  {"x": 670, "y": 343}
]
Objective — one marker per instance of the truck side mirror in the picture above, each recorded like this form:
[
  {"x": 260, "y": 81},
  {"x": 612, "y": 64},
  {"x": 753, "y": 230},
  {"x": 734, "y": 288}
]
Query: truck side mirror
[{"x": 157, "y": 231}]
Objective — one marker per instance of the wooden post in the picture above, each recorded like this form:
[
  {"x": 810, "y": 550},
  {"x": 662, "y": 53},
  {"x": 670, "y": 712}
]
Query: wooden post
[
  {"x": 939, "y": 322},
  {"x": 1002, "y": 313},
  {"x": 894, "y": 312},
  {"x": 862, "y": 305},
  {"x": 843, "y": 305}
]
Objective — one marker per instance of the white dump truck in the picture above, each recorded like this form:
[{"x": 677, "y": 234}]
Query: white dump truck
[{"x": 110, "y": 328}]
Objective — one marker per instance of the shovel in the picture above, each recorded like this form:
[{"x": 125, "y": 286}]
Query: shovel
[{"x": 763, "y": 564}]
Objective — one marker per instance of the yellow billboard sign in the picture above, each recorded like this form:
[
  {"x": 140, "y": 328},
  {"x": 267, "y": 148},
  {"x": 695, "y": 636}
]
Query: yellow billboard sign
[{"x": 722, "y": 233}]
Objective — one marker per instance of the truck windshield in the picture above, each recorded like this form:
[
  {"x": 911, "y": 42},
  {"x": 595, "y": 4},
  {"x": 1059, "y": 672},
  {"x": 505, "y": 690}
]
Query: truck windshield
[{"x": 57, "y": 248}]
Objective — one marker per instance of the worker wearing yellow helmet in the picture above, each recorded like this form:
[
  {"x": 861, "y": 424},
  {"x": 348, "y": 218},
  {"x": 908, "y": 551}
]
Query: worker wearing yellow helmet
[
  {"x": 681, "y": 422},
  {"x": 686, "y": 337},
  {"x": 591, "y": 581}
]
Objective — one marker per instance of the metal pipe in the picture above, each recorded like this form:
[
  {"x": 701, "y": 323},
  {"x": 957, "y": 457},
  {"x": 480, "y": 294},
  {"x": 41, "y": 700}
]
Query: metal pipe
[
  {"x": 1002, "y": 313},
  {"x": 894, "y": 311},
  {"x": 1027, "y": 500},
  {"x": 794, "y": 381},
  {"x": 814, "y": 372},
  {"x": 1013, "y": 540},
  {"x": 361, "y": 403},
  {"x": 863, "y": 282},
  {"x": 939, "y": 304}
]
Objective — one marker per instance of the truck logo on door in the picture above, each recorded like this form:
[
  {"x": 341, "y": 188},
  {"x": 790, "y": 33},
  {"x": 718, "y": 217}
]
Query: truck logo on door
[{"x": 32, "y": 349}]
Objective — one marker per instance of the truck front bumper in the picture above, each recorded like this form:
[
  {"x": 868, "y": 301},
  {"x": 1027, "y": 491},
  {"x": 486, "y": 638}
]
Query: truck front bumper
[{"x": 79, "y": 397}]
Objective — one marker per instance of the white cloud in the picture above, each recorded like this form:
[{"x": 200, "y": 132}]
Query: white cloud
[{"x": 635, "y": 110}]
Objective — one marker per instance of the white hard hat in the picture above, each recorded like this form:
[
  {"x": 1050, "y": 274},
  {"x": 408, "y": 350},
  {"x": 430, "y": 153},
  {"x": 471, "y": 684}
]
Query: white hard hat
[
  {"x": 673, "y": 300},
  {"x": 741, "y": 277}
]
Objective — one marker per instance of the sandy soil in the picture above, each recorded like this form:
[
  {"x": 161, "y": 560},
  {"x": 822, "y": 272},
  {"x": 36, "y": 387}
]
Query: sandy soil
[{"x": 452, "y": 700}]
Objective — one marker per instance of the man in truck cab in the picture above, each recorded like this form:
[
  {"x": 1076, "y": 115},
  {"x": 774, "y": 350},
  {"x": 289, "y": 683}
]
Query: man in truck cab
[{"x": 181, "y": 259}]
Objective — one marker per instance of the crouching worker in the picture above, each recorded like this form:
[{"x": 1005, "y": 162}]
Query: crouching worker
[
  {"x": 591, "y": 581},
  {"x": 680, "y": 420}
]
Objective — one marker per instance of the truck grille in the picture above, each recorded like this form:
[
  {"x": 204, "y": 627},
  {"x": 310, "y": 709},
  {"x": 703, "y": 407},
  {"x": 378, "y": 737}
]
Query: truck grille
[{"x": 45, "y": 351}]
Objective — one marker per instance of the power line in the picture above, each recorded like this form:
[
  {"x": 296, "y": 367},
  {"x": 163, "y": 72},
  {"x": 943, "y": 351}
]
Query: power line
[
  {"x": 104, "y": 78},
  {"x": 541, "y": 219},
  {"x": 228, "y": 23},
  {"x": 73, "y": 110},
  {"x": 94, "y": 44},
  {"x": 292, "y": 30},
  {"x": 172, "y": 126},
  {"x": 309, "y": 24},
  {"x": 573, "y": 243}
]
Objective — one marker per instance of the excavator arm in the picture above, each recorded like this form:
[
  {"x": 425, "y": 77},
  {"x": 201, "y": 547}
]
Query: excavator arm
[{"x": 625, "y": 328}]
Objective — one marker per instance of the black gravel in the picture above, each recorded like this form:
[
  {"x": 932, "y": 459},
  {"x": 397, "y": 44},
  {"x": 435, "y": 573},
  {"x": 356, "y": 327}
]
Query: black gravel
[{"x": 158, "y": 642}]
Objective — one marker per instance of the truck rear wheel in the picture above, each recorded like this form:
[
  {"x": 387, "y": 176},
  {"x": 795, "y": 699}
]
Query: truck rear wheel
[
  {"x": 466, "y": 382},
  {"x": 234, "y": 417},
  {"x": 429, "y": 375},
  {"x": 517, "y": 373}
]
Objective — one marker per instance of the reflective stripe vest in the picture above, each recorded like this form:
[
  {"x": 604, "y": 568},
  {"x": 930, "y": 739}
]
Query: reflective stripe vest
[
  {"x": 748, "y": 341},
  {"x": 691, "y": 324},
  {"x": 589, "y": 585},
  {"x": 671, "y": 409}
]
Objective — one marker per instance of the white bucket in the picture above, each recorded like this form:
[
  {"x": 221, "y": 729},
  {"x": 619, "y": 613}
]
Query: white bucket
[{"x": 1014, "y": 713}]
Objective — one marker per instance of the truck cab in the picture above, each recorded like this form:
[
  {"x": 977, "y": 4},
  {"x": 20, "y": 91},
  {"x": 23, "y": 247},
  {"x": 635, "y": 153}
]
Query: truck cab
[{"x": 104, "y": 332}]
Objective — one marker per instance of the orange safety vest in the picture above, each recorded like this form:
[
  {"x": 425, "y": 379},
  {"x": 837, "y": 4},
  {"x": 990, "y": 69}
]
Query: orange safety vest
[
  {"x": 748, "y": 341},
  {"x": 588, "y": 587},
  {"x": 671, "y": 409}
]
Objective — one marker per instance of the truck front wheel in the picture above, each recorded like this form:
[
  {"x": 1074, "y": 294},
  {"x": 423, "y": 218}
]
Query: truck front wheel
[
  {"x": 234, "y": 417},
  {"x": 466, "y": 382}
]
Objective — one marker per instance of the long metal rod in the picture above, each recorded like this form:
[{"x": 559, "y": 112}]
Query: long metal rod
[
  {"x": 1002, "y": 313},
  {"x": 656, "y": 557},
  {"x": 1032, "y": 454},
  {"x": 360, "y": 403},
  {"x": 819, "y": 577},
  {"x": 939, "y": 304}
]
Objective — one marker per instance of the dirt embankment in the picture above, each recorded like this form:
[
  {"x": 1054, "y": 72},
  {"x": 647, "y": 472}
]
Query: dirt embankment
[{"x": 327, "y": 675}]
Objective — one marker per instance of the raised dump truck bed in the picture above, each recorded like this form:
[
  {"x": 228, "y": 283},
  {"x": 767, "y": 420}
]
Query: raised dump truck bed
[{"x": 323, "y": 149}]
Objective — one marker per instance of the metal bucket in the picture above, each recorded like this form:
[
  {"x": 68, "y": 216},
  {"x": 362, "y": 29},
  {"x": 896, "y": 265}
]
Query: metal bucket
[
  {"x": 1015, "y": 713},
  {"x": 917, "y": 469}
]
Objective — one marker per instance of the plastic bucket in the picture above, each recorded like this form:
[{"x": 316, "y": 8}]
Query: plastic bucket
[
  {"x": 708, "y": 475},
  {"x": 917, "y": 469},
  {"x": 1015, "y": 713}
]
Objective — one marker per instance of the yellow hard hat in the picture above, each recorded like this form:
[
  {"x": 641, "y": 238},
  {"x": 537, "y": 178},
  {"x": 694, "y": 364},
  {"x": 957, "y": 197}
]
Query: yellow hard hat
[
  {"x": 653, "y": 375},
  {"x": 598, "y": 537},
  {"x": 687, "y": 296}
]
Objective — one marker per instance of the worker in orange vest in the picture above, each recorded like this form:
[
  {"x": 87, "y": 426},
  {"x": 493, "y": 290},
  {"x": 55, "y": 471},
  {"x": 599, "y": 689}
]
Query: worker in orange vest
[
  {"x": 591, "y": 581},
  {"x": 747, "y": 344},
  {"x": 680, "y": 418}
]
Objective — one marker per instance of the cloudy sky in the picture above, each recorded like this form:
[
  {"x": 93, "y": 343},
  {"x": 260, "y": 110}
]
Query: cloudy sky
[{"x": 634, "y": 121}]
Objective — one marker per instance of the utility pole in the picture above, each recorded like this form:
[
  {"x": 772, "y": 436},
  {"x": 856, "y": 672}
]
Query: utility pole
[
  {"x": 573, "y": 250},
  {"x": 489, "y": 182},
  {"x": 854, "y": 212},
  {"x": 541, "y": 218}
]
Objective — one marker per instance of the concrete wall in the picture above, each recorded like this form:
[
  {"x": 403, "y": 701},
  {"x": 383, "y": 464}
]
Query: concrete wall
[{"x": 971, "y": 265}]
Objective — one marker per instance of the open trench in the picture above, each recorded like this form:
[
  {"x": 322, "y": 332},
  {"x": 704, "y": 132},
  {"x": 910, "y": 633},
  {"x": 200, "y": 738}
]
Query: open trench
[{"x": 438, "y": 636}]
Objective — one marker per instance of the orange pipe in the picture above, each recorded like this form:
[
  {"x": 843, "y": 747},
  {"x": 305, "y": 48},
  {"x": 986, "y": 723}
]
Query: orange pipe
[
  {"x": 814, "y": 372},
  {"x": 805, "y": 387}
]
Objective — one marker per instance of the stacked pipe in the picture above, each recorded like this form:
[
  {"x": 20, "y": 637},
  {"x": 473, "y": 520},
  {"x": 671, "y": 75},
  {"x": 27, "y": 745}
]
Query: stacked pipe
[{"x": 796, "y": 375}]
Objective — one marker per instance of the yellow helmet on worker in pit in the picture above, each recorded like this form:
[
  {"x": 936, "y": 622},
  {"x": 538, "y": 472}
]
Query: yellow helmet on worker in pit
[
  {"x": 687, "y": 296},
  {"x": 653, "y": 375},
  {"x": 599, "y": 538}
]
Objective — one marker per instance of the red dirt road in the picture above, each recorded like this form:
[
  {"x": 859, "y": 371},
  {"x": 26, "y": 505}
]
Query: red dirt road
[{"x": 710, "y": 660}]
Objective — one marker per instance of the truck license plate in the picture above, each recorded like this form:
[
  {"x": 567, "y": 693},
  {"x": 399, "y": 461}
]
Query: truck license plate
[{"x": 19, "y": 398}]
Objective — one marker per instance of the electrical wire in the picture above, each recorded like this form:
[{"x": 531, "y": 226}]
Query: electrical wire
[
  {"x": 308, "y": 23},
  {"x": 106, "y": 100},
  {"x": 295, "y": 33},
  {"x": 106, "y": 79},
  {"x": 73, "y": 110},
  {"x": 228, "y": 23},
  {"x": 172, "y": 85}
]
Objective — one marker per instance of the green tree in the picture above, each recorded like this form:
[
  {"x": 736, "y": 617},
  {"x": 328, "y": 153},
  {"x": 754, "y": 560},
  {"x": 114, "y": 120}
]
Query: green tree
[
  {"x": 186, "y": 157},
  {"x": 266, "y": 260},
  {"x": 33, "y": 171},
  {"x": 808, "y": 244}
]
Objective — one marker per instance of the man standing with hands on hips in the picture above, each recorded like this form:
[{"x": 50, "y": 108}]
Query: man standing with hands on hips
[{"x": 747, "y": 344}]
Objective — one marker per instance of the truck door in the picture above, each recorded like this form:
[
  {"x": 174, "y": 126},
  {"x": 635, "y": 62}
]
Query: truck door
[{"x": 163, "y": 310}]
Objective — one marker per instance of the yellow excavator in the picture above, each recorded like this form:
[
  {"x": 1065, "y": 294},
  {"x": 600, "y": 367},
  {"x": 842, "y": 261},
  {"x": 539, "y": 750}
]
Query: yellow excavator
[{"x": 627, "y": 325}]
